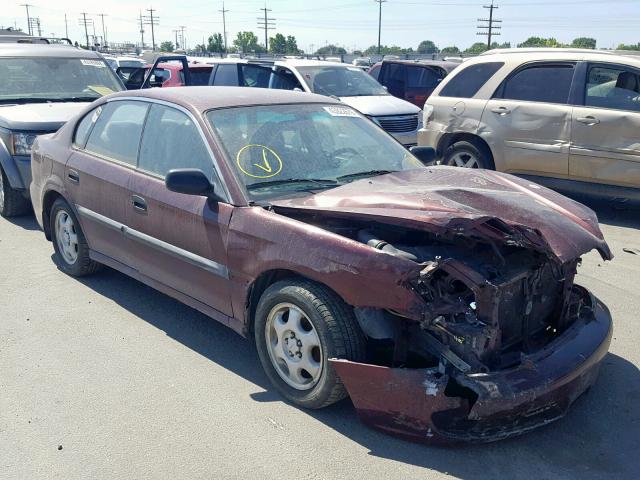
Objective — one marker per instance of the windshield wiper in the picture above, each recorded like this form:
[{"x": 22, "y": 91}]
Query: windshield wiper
[
  {"x": 369, "y": 173},
  {"x": 322, "y": 183}
]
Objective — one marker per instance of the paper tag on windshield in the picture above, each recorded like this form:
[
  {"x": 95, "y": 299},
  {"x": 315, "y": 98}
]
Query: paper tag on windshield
[
  {"x": 336, "y": 111},
  {"x": 92, "y": 63},
  {"x": 100, "y": 89}
]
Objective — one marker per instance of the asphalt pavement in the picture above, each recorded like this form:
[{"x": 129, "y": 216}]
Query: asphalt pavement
[{"x": 105, "y": 378}]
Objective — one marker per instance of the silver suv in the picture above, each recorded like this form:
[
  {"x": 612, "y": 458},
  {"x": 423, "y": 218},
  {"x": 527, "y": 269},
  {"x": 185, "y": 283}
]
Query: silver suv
[{"x": 564, "y": 117}]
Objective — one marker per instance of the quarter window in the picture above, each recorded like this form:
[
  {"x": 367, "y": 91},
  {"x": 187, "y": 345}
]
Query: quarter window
[
  {"x": 171, "y": 140},
  {"x": 540, "y": 83},
  {"x": 467, "y": 82},
  {"x": 612, "y": 87},
  {"x": 84, "y": 127},
  {"x": 117, "y": 131}
]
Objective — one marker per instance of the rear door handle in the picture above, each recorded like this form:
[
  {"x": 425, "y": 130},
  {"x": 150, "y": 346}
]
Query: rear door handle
[
  {"x": 589, "y": 120},
  {"x": 73, "y": 176},
  {"x": 139, "y": 204},
  {"x": 501, "y": 110}
]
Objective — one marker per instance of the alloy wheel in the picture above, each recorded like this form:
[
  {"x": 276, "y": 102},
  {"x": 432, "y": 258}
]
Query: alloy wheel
[
  {"x": 464, "y": 159},
  {"x": 66, "y": 237},
  {"x": 294, "y": 346}
]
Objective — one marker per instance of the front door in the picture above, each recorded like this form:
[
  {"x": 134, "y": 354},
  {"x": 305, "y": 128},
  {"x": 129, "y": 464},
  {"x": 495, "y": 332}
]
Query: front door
[
  {"x": 605, "y": 145},
  {"x": 179, "y": 240},
  {"x": 98, "y": 174},
  {"x": 528, "y": 121}
]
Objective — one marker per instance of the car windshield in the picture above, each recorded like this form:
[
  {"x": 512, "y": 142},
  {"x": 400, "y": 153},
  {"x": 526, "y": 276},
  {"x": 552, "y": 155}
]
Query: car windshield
[
  {"x": 279, "y": 149},
  {"x": 55, "y": 79},
  {"x": 341, "y": 81},
  {"x": 132, "y": 63}
]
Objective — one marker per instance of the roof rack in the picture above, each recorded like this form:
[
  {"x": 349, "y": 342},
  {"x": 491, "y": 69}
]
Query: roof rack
[{"x": 30, "y": 39}]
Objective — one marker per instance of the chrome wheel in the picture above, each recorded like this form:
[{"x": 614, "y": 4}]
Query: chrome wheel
[
  {"x": 464, "y": 159},
  {"x": 66, "y": 237},
  {"x": 294, "y": 346}
]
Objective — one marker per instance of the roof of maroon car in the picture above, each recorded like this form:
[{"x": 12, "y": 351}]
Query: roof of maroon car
[{"x": 206, "y": 98}]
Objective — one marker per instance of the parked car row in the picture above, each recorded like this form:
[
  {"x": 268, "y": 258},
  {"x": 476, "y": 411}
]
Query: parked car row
[{"x": 352, "y": 262}]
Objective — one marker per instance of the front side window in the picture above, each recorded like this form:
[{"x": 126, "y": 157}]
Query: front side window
[
  {"x": 116, "y": 133},
  {"x": 540, "y": 83},
  {"x": 467, "y": 82},
  {"x": 280, "y": 149},
  {"x": 341, "y": 81},
  {"x": 171, "y": 140},
  {"x": 226, "y": 75},
  {"x": 54, "y": 79},
  {"x": 375, "y": 71},
  {"x": 613, "y": 87}
]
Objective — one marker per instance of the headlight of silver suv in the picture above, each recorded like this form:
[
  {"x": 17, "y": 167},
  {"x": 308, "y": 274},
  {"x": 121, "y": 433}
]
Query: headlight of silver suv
[{"x": 22, "y": 143}]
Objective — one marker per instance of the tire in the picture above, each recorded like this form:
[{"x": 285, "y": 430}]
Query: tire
[
  {"x": 469, "y": 155},
  {"x": 80, "y": 264},
  {"x": 12, "y": 202},
  {"x": 332, "y": 322}
]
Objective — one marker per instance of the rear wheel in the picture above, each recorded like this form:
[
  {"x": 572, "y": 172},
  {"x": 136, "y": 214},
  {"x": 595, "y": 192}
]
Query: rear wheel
[
  {"x": 468, "y": 155},
  {"x": 12, "y": 202},
  {"x": 69, "y": 243},
  {"x": 299, "y": 326}
]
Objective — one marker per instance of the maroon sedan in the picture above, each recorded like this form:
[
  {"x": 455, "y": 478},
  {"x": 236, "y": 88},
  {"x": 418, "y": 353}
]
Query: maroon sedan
[{"x": 442, "y": 300}]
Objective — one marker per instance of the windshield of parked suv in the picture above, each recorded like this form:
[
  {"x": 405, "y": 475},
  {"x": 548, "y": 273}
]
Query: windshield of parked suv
[
  {"x": 278, "y": 149},
  {"x": 341, "y": 81},
  {"x": 55, "y": 79}
]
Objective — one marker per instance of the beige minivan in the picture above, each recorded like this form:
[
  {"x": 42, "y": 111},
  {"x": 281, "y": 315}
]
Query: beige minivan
[{"x": 565, "y": 117}]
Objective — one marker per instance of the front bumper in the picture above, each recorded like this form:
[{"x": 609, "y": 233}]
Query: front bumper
[
  {"x": 23, "y": 162},
  {"x": 408, "y": 139},
  {"x": 423, "y": 405}
]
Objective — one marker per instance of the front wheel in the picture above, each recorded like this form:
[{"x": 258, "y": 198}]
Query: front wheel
[
  {"x": 299, "y": 326},
  {"x": 69, "y": 242},
  {"x": 12, "y": 202},
  {"x": 468, "y": 155}
]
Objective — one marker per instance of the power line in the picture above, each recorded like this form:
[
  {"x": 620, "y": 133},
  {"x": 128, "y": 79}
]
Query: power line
[
  {"x": 266, "y": 25},
  {"x": 488, "y": 25},
  {"x": 379, "y": 2},
  {"x": 153, "y": 21},
  {"x": 85, "y": 22},
  {"x": 224, "y": 26}
]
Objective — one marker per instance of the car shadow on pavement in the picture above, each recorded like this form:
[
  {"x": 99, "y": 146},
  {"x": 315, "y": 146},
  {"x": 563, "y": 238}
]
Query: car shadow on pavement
[
  {"x": 612, "y": 212},
  {"x": 598, "y": 438},
  {"x": 26, "y": 221}
]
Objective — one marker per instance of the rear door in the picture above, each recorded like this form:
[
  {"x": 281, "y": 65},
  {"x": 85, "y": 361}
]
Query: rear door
[
  {"x": 605, "y": 145},
  {"x": 179, "y": 240},
  {"x": 528, "y": 120},
  {"x": 98, "y": 174}
]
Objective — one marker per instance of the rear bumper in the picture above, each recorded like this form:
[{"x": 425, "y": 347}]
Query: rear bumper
[{"x": 424, "y": 406}]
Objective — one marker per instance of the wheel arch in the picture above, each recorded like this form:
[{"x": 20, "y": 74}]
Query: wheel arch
[
  {"x": 449, "y": 139},
  {"x": 8, "y": 164},
  {"x": 48, "y": 200}
]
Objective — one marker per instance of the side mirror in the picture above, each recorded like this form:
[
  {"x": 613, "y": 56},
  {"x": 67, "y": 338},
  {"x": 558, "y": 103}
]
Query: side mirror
[
  {"x": 426, "y": 155},
  {"x": 190, "y": 181}
]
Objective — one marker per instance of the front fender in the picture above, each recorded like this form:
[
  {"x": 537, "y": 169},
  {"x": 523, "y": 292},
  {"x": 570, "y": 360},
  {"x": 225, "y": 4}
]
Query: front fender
[{"x": 10, "y": 168}]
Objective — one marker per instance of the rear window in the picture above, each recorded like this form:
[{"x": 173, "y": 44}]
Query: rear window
[
  {"x": 467, "y": 82},
  {"x": 544, "y": 83}
]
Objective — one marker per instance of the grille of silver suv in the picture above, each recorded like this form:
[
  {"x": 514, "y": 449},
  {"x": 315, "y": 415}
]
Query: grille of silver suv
[{"x": 398, "y": 123}]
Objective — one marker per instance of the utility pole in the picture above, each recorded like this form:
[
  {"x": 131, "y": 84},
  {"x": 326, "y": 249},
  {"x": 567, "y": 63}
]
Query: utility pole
[
  {"x": 35, "y": 24},
  {"x": 85, "y": 22},
  {"x": 379, "y": 2},
  {"x": 224, "y": 26},
  {"x": 27, "y": 5},
  {"x": 104, "y": 32},
  {"x": 153, "y": 21},
  {"x": 183, "y": 43},
  {"x": 488, "y": 25},
  {"x": 141, "y": 33},
  {"x": 266, "y": 25},
  {"x": 175, "y": 31},
  {"x": 66, "y": 27}
]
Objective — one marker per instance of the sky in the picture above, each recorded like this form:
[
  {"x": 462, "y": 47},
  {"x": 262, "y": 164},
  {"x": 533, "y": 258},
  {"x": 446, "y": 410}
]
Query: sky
[{"x": 351, "y": 24}]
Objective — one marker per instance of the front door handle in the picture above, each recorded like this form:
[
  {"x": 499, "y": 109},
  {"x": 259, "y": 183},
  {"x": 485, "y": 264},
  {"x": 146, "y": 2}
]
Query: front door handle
[
  {"x": 501, "y": 110},
  {"x": 139, "y": 204},
  {"x": 73, "y": 176},
  {"x": 589, "y": 120}
]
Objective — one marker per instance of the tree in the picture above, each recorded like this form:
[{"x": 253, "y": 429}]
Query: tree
[
  {"x": 537, "y": 42},
  {"x": 476, "y": 48},
  {"x": 247, "y": 42},
  {"x": 584, "y": 42},
  {"x": 622, "y": 46},
  {"x": 427, "y": 46},
  {"x": 292, "y": 45},
  {"x": 166, "y": 46},
  {"x": 215, "y": 43},
  {"x": 500, "y": 45},
  {"x": 386, "y": 50},
  {"x": 278, "y": 44},
  {"x": 331, "y": 50},
  {"x": 450, "y": 51}
]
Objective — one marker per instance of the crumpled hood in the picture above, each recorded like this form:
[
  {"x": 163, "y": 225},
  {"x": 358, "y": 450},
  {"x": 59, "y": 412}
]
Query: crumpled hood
[
  {"x": 451, "y": 200},
  {"x": 38, "y": 116},
  {"x": 381, "y": 105}
]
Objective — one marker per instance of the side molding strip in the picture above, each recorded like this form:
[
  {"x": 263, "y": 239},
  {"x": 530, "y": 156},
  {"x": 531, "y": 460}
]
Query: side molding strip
[{"x": 184, "y": 255}]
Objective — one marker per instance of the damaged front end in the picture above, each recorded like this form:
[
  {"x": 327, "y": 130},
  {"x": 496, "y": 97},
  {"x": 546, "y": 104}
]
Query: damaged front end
[{"x": 506, "y": 341}]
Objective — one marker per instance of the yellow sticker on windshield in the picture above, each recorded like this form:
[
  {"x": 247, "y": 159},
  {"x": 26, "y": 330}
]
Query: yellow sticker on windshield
[
  {"x": 258, "y": 161},
  {"x": 100, "y": 89}
]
